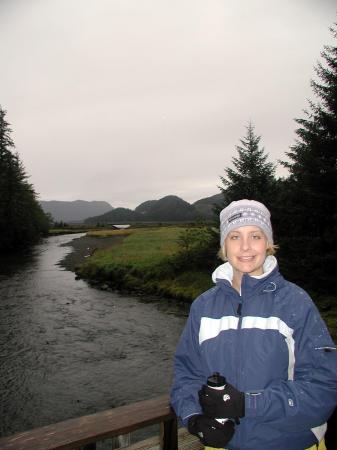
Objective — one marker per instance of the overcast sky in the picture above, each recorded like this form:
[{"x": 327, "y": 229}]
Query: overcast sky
[{"x": 131, "y": 100}]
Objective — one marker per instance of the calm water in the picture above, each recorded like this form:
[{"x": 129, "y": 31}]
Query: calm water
[{"x": 67, "y": 349}]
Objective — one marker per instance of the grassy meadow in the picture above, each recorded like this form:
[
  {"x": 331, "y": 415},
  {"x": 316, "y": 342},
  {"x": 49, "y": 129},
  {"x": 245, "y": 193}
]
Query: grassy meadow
[{"x": 145, "y": 262}]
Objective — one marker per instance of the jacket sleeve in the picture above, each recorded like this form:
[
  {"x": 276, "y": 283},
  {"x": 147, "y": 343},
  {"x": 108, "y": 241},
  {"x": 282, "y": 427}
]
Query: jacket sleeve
[
  {"x": 188, "y": 373},
  {"x": 309, "y": 399}
]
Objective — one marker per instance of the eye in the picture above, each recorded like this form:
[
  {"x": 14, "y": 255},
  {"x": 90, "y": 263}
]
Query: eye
[
  {"x": 234, "y": 237},
  {"x": 256, "y": 236}
]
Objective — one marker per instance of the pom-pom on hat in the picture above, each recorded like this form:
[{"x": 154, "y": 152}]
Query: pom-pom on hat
[{"x": 242, "y": 213}]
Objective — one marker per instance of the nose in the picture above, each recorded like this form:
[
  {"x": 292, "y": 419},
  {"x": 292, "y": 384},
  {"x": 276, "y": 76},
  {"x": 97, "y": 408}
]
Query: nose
[{"x": 245, "y": 243}]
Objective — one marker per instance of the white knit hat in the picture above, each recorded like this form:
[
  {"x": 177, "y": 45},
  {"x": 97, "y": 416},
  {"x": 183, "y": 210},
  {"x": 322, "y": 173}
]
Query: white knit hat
[{"x": 242, "y": 213}]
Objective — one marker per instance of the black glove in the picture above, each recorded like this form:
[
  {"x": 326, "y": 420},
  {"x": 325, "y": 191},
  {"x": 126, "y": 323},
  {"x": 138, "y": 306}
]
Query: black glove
[
  {"x": 211, "y": 432},
  {"x": 227, "y": 402}
]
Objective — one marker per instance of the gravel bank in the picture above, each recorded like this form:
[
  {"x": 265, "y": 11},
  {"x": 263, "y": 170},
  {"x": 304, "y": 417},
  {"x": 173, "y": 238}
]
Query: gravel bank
[{"x": 83, "y": 247}]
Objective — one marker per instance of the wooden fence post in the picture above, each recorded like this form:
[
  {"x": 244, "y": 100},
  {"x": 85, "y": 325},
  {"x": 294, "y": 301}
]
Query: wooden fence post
[
  {"x": 91, "y": 446},
  {"x": 169, "y": 434}
]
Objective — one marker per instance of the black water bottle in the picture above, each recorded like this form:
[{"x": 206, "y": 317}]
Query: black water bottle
[{"x": 217, "y": 382}]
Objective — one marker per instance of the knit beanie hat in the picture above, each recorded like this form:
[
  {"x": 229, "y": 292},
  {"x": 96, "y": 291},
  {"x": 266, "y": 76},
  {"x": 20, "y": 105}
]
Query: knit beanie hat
[{"x": 243, "y": 213}]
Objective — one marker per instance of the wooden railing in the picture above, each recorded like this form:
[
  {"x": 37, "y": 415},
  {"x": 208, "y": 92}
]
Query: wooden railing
[{"x": 85, "y": 431}]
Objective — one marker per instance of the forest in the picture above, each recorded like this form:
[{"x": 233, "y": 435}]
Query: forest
[{"x": 22, "y": 220}]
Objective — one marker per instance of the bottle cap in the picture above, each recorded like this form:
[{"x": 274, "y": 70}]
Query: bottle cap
[{"x": 216, "y": 380}]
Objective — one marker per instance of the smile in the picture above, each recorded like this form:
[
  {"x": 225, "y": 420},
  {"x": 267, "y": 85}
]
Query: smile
[{"x": 245, "y": 258}]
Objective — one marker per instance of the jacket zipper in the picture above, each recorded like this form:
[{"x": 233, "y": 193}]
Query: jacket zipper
[
  {"x": 239, "y": 347},
  {"x": 239, "y": 310}
]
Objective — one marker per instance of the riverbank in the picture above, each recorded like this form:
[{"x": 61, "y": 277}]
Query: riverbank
[
  {"x": 146, "y": 263},
  {"x": 85, "y": 246}
]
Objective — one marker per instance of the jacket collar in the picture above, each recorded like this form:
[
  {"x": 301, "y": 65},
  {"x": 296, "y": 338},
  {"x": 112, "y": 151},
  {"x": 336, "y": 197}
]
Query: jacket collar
[
  {"x": 224, "y": 275},
  {"x": 225, "y": 271}
]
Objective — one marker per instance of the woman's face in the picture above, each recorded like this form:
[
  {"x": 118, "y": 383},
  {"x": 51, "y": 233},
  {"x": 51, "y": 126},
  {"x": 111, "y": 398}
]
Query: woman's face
[{"x": 246, "y": 250}]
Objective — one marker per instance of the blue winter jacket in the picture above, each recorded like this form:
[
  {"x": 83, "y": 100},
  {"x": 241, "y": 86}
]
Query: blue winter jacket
[{"x": 269, "y": 342}]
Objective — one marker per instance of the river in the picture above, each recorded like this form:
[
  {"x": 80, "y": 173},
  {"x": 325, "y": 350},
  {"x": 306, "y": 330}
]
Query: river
[{"x": 68, "y": 349}]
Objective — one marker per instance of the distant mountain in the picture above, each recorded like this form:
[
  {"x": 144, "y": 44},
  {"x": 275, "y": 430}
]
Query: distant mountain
[
  {"x": 115, "y": 216},
  {"x": 205, "y": 206},
  {"x": 167, "y": 209},
  {"x": 75, "y": 211},
  {"x": 145, "y": 207}
]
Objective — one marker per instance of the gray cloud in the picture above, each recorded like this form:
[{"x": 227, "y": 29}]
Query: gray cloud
[{"x": 129, "y": 100}]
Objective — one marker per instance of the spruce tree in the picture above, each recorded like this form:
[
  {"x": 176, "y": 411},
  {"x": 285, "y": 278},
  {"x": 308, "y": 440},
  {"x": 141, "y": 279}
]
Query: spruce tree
[
  {"x": 8, "y": 165},
  {"x": 22, "y": 220},
  {"x": 312, "y": 184},
  {"x": 252, "y": 177}
]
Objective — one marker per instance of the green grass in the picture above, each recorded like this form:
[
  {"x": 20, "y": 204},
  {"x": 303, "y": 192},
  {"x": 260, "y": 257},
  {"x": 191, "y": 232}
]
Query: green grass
[
  {"x": 108, "y": 233},
  {"x": 143, "y": 247},
  {"x": 145, "y": 262},
  {"x": 186, "y": 286}
]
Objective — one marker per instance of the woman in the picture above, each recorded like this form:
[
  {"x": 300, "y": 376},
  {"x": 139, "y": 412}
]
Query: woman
[{"x": 266, "y": 337}]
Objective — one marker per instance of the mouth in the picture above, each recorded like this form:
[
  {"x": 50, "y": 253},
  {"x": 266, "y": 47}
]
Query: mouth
[{"x": 246, "y": 258}]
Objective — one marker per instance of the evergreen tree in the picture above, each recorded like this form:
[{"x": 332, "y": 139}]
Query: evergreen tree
[
  {"x": 22, "y": 220},
  {"x": 312, "y": 166},
  {"x": 8, "y": 164},
  {"x": 312, "y": 184},
  {"x": 252, "y": 176}
]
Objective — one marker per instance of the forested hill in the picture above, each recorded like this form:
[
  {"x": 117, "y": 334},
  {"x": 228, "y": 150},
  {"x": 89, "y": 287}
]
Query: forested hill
[{"x": 166, "y": 209}]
